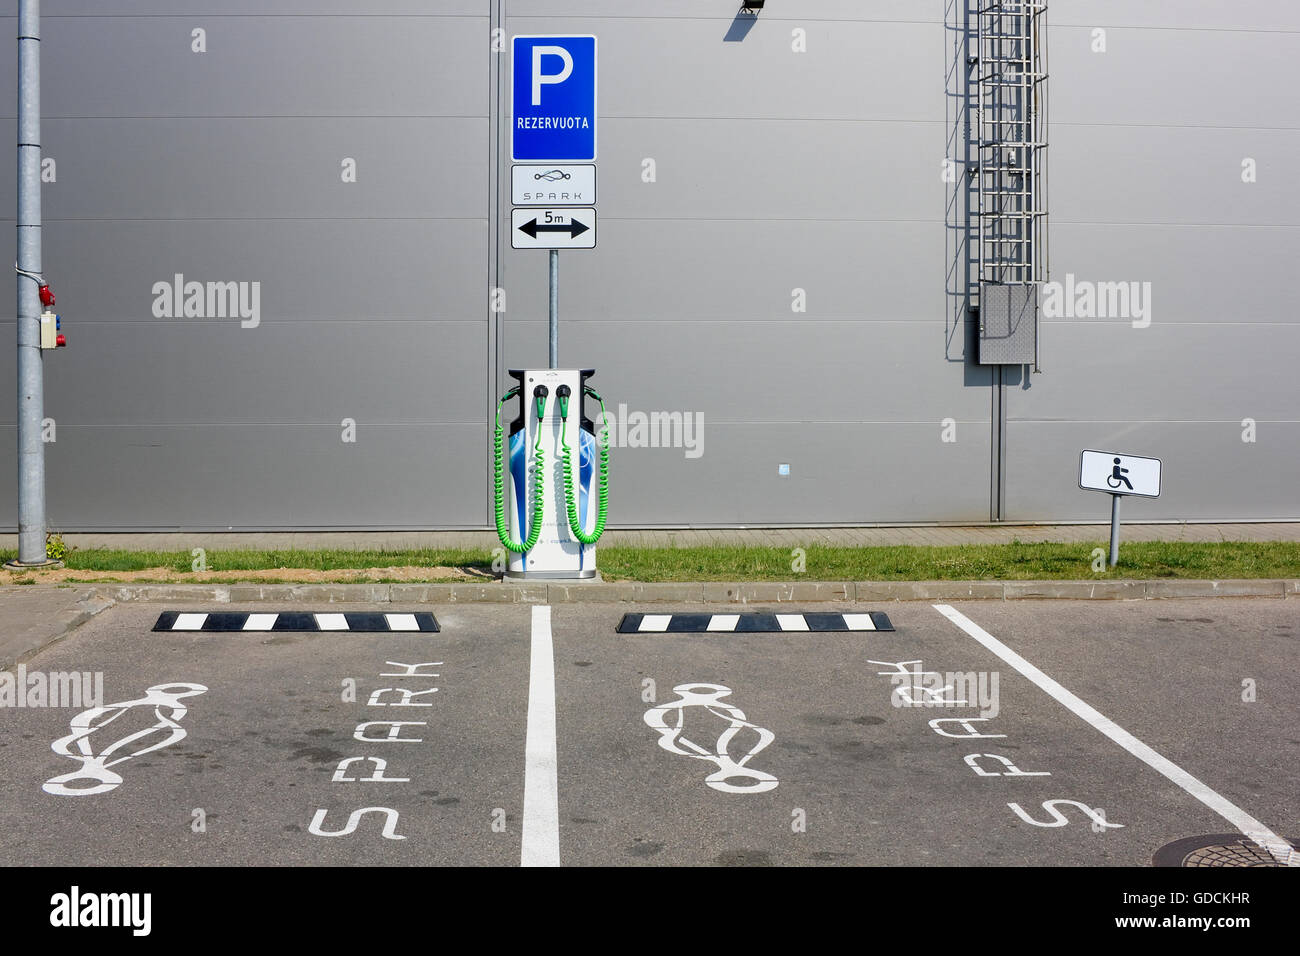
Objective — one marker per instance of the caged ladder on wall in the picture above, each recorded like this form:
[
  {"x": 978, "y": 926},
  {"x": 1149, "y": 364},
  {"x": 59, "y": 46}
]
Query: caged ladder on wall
[{"x": 1009, "y": 94}]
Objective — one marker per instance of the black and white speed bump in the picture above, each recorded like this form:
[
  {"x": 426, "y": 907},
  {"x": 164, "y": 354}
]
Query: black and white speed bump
[
  {"x": 297, "y": 621},
  {"x": 753, "y": 623}
]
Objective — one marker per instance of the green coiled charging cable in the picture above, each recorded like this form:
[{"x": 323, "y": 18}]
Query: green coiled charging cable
[
  {"x": 602, "y": 501},
  {"x": 498, "y": 477}
]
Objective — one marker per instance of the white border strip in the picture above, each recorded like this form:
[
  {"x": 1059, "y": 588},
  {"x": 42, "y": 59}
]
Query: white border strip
[
  {"x": 1278, "y": 848},
  {"x": 541, "y": 824},
  {"x": 859, "y": 622}
]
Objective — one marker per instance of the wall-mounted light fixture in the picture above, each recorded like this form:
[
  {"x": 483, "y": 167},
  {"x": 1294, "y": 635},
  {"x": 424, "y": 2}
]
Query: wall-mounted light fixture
[{"x": 753, "y": 4}]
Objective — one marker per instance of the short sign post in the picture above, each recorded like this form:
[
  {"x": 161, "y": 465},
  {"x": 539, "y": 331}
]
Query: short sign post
[
  {"x": 1118, "y": 475},
  {"x": 553, "y": 146}
]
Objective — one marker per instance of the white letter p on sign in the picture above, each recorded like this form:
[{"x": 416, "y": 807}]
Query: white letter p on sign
[{"x": 540, "y": 78}]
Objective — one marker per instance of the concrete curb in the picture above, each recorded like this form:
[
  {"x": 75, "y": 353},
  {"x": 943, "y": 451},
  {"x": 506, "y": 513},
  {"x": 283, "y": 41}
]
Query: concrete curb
[
  {"x": 64, "y": 624},
  {"x": 632, "y": 592}
]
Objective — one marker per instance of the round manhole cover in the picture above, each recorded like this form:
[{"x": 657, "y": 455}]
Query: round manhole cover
[{"x": 1216, "y": 849}]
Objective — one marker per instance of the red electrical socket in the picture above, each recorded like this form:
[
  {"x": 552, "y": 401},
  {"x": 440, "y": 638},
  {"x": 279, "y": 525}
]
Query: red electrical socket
[
  {"x": 60, "y": 341},
  {"x": 47, "y": 296}
]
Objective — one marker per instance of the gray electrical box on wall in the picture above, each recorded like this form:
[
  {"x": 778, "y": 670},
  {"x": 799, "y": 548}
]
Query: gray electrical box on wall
[{"x": 1008, "y": 329}]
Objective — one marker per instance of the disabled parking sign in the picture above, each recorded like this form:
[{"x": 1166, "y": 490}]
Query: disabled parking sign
[
  {"x": 1119, "y": 474},
  {"x": 553, "y": 96}
]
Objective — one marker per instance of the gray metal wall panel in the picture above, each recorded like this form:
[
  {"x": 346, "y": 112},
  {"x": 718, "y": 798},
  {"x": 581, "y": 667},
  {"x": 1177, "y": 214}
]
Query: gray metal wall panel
[
  {"x": 265, "y": 66},
  {"x": 1146, "y": 187},
  {"x": 266, "y": 168},
  {"x": 1276, "y": 15},
  {"x": 1219, "y": 273},
  {"x": 1207, "y": 472},
  {"x": 1175, "y": 175},
  {"x": 244, "y": 8},
  {"x": 839, "y": 474},
  {"x": 1112, "y": 372},
  {"x": 789, "y": 169},
  {"x": 776, "y": 170},
  {"x": 1172, "y": 76},
  {"x": 726, "y": 10},
  {"x": 744, "y": 270},
  {"x": 310, "y": 270},
  {"x": 225, "y": 166},
  {"x": 214, "y": 372},
  {"x": 685, "y": 305},
  {"x": 262, "y": 476},
  {"x": 788, "y": 372},
  {"x": 683, "y": 67}
]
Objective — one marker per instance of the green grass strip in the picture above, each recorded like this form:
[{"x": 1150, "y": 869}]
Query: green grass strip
[
  {"x": 95, "y": 559},
  {"x": 1055, "y": 561},
  {"x": 1156, "y": 559}
]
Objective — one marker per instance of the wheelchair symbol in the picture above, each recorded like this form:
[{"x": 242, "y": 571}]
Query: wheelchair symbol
[{"x": 1116, "y": 477}]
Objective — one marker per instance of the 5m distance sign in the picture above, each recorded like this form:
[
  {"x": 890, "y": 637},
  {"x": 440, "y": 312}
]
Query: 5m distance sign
[{"x": 553, "y": 228}]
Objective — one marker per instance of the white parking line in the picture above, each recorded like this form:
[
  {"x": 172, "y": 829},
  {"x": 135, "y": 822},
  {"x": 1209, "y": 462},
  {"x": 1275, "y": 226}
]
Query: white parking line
[
  {"x": 541, "y": 824},
  {"x": 1280, "y": 849}
]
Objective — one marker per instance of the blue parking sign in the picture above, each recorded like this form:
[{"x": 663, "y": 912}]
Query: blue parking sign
[{"x": 553, "y": 84}]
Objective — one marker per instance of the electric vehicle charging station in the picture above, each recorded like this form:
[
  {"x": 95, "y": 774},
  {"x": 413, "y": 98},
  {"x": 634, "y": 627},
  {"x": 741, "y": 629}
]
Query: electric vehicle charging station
[
  {"x": 550, "y": 495},
  {"x": 551, "y": 510}
]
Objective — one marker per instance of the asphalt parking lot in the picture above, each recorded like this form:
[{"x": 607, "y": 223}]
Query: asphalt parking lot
[{"x": 1087, "y": 733}]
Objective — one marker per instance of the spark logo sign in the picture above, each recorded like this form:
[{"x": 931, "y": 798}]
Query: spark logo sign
[{"x": 553, "y": 86}]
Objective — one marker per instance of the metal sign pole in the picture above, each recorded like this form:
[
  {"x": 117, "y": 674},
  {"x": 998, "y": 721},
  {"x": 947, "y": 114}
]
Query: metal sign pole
[
  {"x": 31, "y": 395},
  {"x": 555, "y": 309},
  {"x": 1114, "y": 529}
]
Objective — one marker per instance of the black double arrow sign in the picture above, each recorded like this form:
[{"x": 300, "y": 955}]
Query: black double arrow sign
[{"x": 573, "y": 228}]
